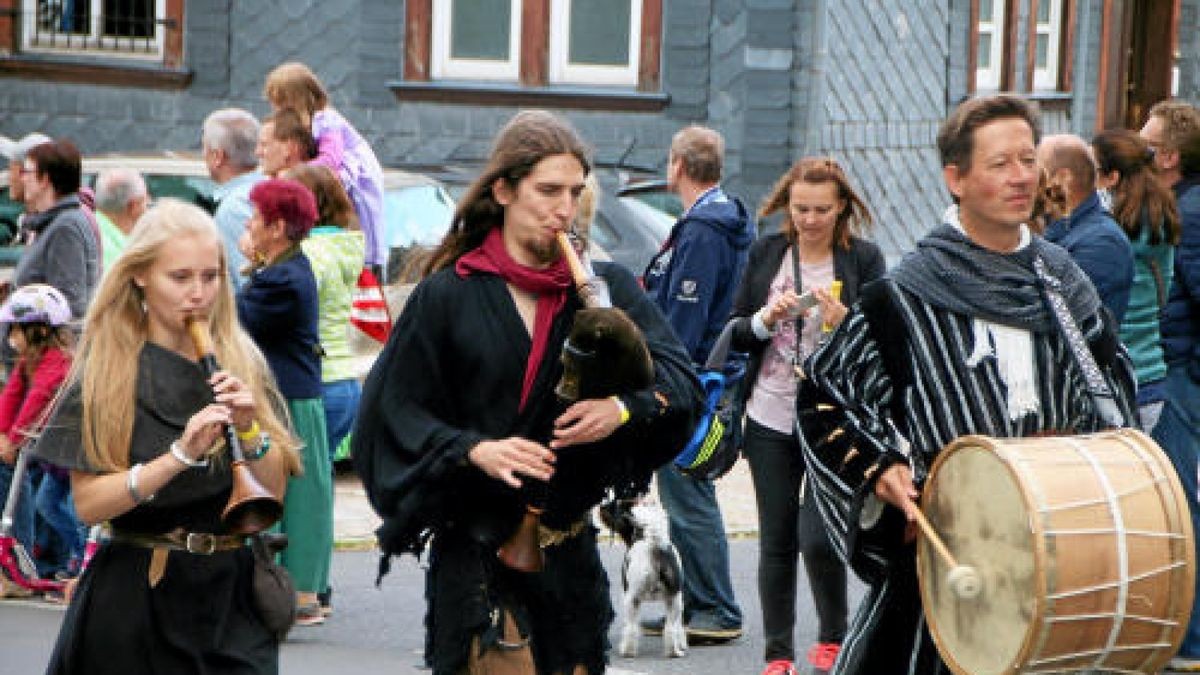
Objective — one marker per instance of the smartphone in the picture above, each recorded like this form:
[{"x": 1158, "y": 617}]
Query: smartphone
[{"x": 805, "y": 303}]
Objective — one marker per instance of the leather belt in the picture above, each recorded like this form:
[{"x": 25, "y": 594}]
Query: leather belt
[{"x": 198, "y": 543}]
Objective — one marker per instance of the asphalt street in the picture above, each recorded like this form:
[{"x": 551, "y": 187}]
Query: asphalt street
[{"x": 379, "y": 630}]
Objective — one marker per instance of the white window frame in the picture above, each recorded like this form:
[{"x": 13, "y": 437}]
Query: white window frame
[
  {"x": 442, "y": 66},
  {"x": 1046, "y": 79},
  {"x": 988, "y": 79},
  {"x": 564, "y": 72},
  {"x": 62, "y": 44}
]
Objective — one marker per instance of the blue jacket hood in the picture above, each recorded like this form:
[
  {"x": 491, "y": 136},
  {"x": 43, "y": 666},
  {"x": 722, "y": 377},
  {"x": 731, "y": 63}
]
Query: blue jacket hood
[
  {"x": 726, "y": 215},
  {"x": 693, "y": 278}
]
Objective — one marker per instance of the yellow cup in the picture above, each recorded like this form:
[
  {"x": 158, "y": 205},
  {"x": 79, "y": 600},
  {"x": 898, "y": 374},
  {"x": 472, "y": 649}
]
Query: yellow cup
[{"x": 835, "y": 289}]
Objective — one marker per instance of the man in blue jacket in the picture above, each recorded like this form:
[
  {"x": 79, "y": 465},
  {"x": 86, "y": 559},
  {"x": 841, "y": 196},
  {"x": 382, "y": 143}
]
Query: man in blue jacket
[
  {"x": 1095, "y": 241},
  {"x": 692, "y": 280},
  {"x": 1173, "y": 131}
]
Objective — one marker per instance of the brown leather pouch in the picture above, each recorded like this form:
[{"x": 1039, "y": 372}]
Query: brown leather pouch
[{"x": 511, "y": 655}]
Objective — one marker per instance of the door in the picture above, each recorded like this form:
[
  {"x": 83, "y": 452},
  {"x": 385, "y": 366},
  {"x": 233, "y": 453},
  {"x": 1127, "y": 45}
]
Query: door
[{"x": 1150, "y": 59}]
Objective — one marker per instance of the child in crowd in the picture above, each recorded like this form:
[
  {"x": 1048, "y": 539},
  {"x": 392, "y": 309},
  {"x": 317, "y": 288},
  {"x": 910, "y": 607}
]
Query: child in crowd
[
  {"x": 339, "y": 147},
  {"x": 38, "y": 315}
]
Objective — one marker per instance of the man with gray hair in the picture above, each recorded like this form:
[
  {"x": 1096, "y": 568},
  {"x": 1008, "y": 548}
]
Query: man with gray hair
[
  {"x": 692, "y": 281},
  {"x": 229, "y": 139},
  {"x": 121, "y": 198}
]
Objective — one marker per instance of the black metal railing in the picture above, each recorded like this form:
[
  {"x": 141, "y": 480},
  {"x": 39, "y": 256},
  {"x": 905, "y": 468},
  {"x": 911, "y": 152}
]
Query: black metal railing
[{"x": 112, "y": 26}]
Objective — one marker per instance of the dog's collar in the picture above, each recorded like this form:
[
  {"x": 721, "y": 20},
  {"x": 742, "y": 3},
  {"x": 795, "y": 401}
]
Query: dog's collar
[{"x": 548, "y": 537}]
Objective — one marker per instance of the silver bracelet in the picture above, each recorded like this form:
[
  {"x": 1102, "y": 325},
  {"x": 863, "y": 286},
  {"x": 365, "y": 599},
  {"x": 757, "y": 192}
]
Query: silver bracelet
[
  {"x": 131, "y": 484},
  {"x": 178, "y": 453}
]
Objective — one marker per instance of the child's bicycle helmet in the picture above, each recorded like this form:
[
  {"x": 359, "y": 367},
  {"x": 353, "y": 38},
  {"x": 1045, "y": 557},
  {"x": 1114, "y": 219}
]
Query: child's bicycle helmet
[{"x": 36, "y": 303}]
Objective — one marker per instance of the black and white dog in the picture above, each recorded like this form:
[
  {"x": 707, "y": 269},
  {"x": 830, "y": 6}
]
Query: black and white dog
[{"x": 651, "y": 571}]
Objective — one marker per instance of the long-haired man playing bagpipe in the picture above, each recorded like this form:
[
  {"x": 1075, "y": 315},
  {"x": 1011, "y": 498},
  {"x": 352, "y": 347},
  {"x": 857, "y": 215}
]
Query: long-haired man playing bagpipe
[{"x": 460, "y": 426}]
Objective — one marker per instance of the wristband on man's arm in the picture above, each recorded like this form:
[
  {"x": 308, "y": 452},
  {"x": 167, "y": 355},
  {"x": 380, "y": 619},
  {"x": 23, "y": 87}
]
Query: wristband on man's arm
[
  {"x": 645, "y": 405},
  {"x": 622, "y": 407}
]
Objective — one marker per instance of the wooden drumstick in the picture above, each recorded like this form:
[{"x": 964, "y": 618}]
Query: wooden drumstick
[{"x": 963, "y": 580}]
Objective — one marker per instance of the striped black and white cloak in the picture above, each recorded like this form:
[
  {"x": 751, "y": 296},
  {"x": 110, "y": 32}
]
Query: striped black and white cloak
[{"x": 897, "y": 369}]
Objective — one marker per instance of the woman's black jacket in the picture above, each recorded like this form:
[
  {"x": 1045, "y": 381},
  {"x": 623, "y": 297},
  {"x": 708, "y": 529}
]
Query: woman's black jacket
[{"x": 855, "y": 266}]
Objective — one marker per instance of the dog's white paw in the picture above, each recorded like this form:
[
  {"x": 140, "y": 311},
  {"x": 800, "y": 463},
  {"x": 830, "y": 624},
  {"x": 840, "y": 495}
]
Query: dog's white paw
[
  {"x": 629, "y": 641},
  {"x": 675, "y": 643}
]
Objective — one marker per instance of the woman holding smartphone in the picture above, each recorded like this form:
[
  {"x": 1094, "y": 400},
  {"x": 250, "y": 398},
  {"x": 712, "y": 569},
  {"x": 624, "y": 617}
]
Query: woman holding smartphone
[{"x": 797, "y": 287}]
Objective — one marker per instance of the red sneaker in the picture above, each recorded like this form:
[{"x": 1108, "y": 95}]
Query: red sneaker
[
  {"x": 823, "y": 655},
  {"x": 779, "y": 667}
]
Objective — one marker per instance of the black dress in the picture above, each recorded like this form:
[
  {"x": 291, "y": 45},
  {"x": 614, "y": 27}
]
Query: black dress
[{"x": 199, "y": 619}]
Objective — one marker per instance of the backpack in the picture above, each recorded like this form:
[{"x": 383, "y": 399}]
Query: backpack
[{"x": 717, "y": 440}]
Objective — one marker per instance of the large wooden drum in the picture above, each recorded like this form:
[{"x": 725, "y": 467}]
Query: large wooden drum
[{"x": 1083, "y": 546}]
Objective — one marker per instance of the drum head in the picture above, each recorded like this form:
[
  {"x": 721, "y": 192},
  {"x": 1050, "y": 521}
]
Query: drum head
[{"x": 975, "y": 503}]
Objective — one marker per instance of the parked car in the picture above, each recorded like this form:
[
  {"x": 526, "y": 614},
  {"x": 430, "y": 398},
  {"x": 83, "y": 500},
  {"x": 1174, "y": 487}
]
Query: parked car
[
  {"x": 654, "y": 192},
  {"x": 417, "y": 208},
  {"x": 628, "y": 229}
]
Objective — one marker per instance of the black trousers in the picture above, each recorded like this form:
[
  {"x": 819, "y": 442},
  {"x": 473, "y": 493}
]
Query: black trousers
[
  {"x": 564, "y": 610},
  {"x": 790, "y": 529}
]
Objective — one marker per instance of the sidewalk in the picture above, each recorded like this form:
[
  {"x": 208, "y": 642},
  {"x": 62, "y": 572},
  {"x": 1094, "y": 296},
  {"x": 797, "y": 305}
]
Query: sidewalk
[{"x": 354, "y": 521}]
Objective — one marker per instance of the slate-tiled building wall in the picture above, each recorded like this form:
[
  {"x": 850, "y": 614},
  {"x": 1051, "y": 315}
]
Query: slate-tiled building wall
[
  {"x": 1189, "y": 50},
  {"x": 355, "y": 47},
  {"x": 865, "y": 82},
  {"x": 1086, "y": 66},
  {"x": 885, "y": 91}
]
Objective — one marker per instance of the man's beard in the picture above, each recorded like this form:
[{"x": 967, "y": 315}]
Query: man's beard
[{"x": 544, "y": 252}]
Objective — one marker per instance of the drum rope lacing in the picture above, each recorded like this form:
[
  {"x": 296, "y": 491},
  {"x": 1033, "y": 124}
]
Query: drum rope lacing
[
  {"x": 1114, "y": 509},
  {"x": 1112, "y": 499}
]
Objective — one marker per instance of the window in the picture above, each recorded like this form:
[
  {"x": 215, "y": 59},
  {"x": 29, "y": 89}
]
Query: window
[
  {"x": 595, "y": 41},
  {"x": 545, "y": 44},
  {"x": 124, "y": 43},
  {"x": 121, "y": 28},
  {"x": 476, "y": 39},
  {"x": 1047, "y": 37},
  {"x": 1045, "y": 62},
  {"x": 989, "y": 43}
]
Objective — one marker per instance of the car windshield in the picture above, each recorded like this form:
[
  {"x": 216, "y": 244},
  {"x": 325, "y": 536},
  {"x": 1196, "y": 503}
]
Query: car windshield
[
  {"x": 416, "y": 215},
  {"x": 656, "y": 194},
  {"x": 659, "y": 221},
  {"x": 195, "y": 189}
]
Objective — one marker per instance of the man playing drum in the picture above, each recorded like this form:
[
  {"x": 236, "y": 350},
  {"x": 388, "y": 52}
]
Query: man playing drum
[{"x": 959, "y": 339}]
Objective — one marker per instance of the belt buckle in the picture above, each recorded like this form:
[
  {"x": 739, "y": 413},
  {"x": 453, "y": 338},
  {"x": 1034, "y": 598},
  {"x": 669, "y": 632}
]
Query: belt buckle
[{"x": 201, "y": 543}]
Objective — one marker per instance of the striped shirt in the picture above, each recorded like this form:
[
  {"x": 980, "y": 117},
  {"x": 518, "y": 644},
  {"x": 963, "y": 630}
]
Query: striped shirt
[{"x": 902, "y": 402}]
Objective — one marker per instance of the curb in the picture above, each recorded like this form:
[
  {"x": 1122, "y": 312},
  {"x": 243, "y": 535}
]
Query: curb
[{"x": 355, "y": 544}]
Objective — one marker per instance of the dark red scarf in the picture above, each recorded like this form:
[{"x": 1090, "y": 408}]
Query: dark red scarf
[{"x": 550, "y": 285}]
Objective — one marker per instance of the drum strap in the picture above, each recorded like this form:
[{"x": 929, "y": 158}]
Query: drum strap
[{"x": 1097, "y": 386}]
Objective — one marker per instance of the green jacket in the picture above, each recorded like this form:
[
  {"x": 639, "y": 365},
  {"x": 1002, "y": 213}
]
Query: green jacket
[
  {"x": 336, "y": 256},
  {"x": 1140, "y": 327}
]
